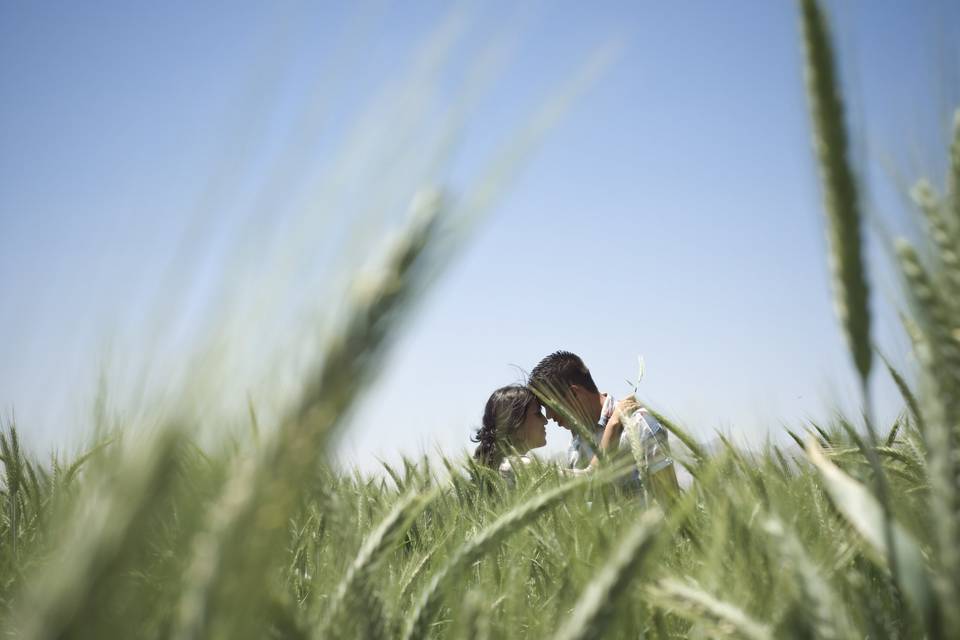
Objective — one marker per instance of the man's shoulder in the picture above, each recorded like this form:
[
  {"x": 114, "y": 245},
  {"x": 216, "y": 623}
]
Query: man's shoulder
[{"x": 650, "y": 420}]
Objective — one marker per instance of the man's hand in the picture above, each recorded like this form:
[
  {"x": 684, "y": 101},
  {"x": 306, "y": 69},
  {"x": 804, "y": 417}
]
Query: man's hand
[
  {"x": 626, "y": 406},
  {"x": 610, "y": 441},
  {"x": 614, "y": 429}
]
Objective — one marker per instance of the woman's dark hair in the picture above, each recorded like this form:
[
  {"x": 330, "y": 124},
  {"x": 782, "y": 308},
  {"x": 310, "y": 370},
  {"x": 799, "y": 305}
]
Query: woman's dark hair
[{"x": 502, "y": 416}]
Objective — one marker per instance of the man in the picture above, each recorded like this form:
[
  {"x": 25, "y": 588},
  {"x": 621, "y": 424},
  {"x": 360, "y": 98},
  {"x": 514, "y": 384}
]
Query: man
[{"x": 596, "y": 420}]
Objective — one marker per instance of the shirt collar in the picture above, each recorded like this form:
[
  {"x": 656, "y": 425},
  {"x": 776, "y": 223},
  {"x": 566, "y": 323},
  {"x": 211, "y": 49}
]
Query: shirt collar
[{"x": 608, "y": 405}]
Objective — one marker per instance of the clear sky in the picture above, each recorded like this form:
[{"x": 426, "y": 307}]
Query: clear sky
[{"x": 149, "y": 151}]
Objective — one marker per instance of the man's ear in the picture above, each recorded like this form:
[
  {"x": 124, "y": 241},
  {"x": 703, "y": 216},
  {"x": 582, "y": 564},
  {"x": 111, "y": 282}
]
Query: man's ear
[
  {"x": 578, "y": 397},
  {"x": 577, "y": 391},
  {"x": 580, "y": 402}
]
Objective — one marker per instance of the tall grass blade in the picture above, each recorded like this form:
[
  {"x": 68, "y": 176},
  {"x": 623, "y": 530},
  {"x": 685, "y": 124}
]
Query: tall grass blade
[
  {"x": 13, "y": 470},
  {"x": 905, "y": 391},
  {"x": 378, "y": 542},
  {"x": 839, "y": 187},
  {"x": 490, "y": 537},
  {"x": 261, "y": 496},
  {"x": 865, "y": 515},
  {"x": 851, "y": 292},
  {"x": 939, "y": 355},
  {"x": 953, "y": 186},
  {"x": 944, "y": 238},
  {"x": 110, "y": 523},
  {"x": 474, "y": 625},
  {"x": 689, "y": 601},
  {"x": 699, "y": 453},
  {"x": 934, "y": 322},
  {"x": 597, "y": 606},
  {"x": 75, "y": 466},
  {"x": 819, "y": 602}
]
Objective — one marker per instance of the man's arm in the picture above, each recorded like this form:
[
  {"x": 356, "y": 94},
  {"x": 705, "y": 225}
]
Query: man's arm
[
  {"x": 662, "y": 483},
  {"x": 610, "y": 441}
]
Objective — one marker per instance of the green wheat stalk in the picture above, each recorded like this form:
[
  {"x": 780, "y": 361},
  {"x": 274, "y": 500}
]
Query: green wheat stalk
[
  {"x": 953, "y": 180},
  {"x": 945, "y": 240},
  {"x": 381, "y": 540},
  {"x": 260, "y": 495},
  {"x": 818, "y": 598},
  {"x": 867, "y": 516},
  {"x": 108, "y": 523},
  {"x": 905, "y": 391},
  {"x": 13, "y": 470},
  {"x": 689, "y": 600},
  {"x": 839, "y": 187},
  {"x": 489, "y": 538},
  {"x": 596, "y": 608},
  {"x": 939, "y": 354},
  {"x": 851, "y": 293}
]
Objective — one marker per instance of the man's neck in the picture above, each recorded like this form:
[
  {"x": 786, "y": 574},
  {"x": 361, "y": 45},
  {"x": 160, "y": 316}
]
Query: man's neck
[{"x": 597, "y": 410}]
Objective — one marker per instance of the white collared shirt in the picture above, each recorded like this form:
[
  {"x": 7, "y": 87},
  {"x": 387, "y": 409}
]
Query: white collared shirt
[{"x": 653, "y": 440}]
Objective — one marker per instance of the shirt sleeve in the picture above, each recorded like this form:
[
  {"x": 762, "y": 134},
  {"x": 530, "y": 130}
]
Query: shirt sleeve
[
  {"x": 573, "y": 454},
  {"x": 579, "y": 454},
  {"x": 653, "y": 438}
]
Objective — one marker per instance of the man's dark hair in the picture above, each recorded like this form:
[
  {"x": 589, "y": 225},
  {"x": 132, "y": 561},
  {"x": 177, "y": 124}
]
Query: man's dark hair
[{"x": 559, "y": 370}]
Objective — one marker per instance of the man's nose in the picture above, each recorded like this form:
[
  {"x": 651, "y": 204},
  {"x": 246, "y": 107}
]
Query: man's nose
[{"x": 551, "y": 415}]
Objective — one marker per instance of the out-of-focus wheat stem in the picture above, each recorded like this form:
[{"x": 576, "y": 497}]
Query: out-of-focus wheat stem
[
  {"x": 851, "y": 292},
  {"x": 13, "y": 465},
  {"x": 109, "y": 523},
  {"x": 939, "y": 355},
  {"x": 905, "y": 391},
  {"x": 249, "y": 520},
  {"x": 953, "y": 186},
  {"x": 595, "y": 608},
  {"x": 945, "y": 240},
  {"x": 879, "y": 530},
  {"x": 377, "y": 543},
  {"x": 690, "y": 601},
  {"x": 490, "y": 537},
  {"x": 818, "y": 598}
]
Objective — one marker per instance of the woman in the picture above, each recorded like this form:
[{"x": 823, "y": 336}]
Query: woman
[{"x": 513, "y": 421}]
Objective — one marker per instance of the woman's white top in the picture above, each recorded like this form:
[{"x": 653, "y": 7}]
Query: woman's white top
[{"x": 510, "y": 463}]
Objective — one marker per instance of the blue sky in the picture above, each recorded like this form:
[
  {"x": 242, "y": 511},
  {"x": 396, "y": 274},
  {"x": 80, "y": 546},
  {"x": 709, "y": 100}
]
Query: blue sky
[{"x": 674, "y": 212}]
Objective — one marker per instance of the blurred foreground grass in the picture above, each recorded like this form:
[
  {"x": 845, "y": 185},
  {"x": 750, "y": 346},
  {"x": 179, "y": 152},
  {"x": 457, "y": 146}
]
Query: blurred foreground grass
[
  {"x": 149, "y": 535},
  {"x": 757, "y": 548}
]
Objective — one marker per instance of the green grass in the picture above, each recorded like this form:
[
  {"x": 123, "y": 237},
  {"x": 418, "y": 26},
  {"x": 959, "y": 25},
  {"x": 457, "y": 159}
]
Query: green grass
[
  {"x": 148, "y": 535},
  {"x": 759, "y": 546}
]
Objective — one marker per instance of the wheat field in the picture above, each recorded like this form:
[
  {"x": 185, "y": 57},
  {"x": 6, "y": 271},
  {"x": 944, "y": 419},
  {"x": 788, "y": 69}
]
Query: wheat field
[{"x": 850, "y": 532}]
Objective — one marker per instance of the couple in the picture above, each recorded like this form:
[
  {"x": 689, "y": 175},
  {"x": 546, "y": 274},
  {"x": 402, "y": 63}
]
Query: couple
[{"x": 513, "y": 421}]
